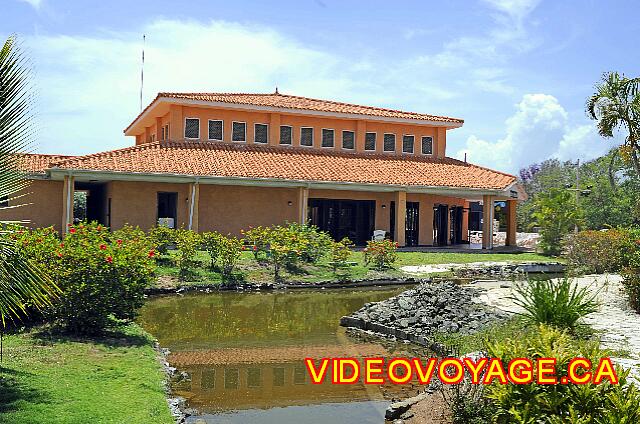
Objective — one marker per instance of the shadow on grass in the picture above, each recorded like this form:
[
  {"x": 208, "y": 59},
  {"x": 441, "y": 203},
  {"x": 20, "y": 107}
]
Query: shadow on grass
[
  {"x": 13, "y": 394},
  {"x": 120, "y": 336}
]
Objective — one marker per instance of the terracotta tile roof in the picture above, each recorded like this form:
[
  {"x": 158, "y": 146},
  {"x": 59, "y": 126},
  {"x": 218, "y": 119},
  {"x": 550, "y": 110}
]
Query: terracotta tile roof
[
  {"x": 300, "y": 164},
  {"x": 37, "y": 163},
  {"x": 286, "y": 101}
]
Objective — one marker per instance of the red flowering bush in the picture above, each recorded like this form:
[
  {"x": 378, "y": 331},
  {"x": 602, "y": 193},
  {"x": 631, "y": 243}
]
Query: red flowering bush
[
  {"x": 382, "y": 254},
  {"x": 102, "y": 275}
]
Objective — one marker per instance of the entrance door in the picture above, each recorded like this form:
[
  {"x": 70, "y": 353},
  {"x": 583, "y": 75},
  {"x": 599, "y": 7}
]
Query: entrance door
[
  {"x": 440, "y": 225},
  {"x": 456, "y": 224},
  {"x": 167, "y": 208},
  {"x": 344, "y": 218},
  {"x": 412, "y": 223}
]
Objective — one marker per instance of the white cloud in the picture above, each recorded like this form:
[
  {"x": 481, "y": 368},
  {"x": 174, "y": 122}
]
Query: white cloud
[
  {"x": 34, "y": 3},
  {"x": 515, "y": 9},
  {"x": 89, "y": 86},
  {"x": 539, "y": 129}
]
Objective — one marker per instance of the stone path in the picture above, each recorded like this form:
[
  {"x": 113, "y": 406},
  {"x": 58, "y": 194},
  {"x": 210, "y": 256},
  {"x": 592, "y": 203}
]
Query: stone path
[
  {"x": 432, "y": 269},
  {"x": 619, "y": 324}
]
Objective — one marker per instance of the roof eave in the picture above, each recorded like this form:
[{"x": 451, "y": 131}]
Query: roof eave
[{"x": 59, "y": 173}]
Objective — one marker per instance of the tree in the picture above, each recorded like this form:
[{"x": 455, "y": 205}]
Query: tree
[
  {"x": 556, "y": 213},
  {"x": 21, "y": 285},
  {"x": 616, "y": 105}
]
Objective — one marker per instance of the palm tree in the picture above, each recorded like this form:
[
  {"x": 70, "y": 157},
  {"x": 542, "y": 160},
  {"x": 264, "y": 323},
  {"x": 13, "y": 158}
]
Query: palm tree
[
  {"x": 616, "y": 105},
  {"x": 21, "y": 285}
]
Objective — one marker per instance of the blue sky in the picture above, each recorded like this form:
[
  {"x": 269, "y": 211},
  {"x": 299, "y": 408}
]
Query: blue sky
[{"x": 518, "y": 71}]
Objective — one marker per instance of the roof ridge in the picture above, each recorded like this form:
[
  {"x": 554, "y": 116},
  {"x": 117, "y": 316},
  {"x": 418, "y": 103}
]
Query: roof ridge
[
  {"x": 337, "y": 102},
  {"x": 481, "y": 167},
  {"x": 334, "y": 102}
]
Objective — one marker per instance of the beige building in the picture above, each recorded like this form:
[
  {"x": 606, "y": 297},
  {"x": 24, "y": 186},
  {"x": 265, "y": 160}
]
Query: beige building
[{"x": 225, "y": 162}]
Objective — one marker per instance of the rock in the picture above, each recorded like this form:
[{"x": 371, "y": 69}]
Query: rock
[{"x": 419, "y": 312}]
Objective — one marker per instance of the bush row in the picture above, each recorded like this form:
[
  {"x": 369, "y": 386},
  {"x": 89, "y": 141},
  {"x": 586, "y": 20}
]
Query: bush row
[
  {"x": 103, "y": 274},
  {"x": 279, "y": 246},
  {"x": 615, "y": 250}
]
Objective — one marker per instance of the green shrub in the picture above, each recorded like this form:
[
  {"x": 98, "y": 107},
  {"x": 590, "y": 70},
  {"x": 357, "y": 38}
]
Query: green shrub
[
  {"x": 467, "y": 403},
  {"x": 631, "y": 283},
  {"x": 557, "y": 214},
  {"x": 162, "y": 238},
  {"x": 560, "y": 304},
  {"x": 382, "y": 254},
  {"x": 312, "y": 243},
  {"x": 631, "y": 273},
  {"x": 258, "y": 238},
  {"x": 340, "y": 254},
  {"x": 230, "y": 249},
  {"x": 597, "y": 252},
  {"x": 187, "y": 242},
  {"x": 101, "y": 277},
  {"x": 560, "y": 403},
  {"x": 211, "y": 242},
  {"x": 131, "y": 233}
]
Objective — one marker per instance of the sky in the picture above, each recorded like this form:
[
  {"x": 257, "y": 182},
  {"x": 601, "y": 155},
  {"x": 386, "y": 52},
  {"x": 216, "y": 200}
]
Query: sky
[{"x": 517, "y": 71}]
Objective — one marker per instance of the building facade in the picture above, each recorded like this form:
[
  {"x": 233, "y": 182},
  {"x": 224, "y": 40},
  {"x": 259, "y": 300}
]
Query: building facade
[{"x": 226, "y": 162}]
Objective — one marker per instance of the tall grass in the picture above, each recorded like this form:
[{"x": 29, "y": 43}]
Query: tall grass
[{"x": 560, "y": 304}]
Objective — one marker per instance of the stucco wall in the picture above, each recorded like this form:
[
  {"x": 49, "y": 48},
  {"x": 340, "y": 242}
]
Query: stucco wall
[
  {"x": 179, "y": 113},
  {"x": 229, "y": 209},
  {"x": 45, "y": 209},
  {"x": 136, "y": 203}
]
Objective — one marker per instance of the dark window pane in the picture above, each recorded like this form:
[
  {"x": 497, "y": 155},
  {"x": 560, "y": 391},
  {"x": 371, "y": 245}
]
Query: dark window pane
[
  {"x": 4, "y": 201},
  {"x": 389, "y": 142},
  {"x": 306, "y": 136},
  {"x": 285, "y": 134},
  {"x": 239, "y": 131},
  {"x": 299, "y": 375},
  {"x": 278, "y": 376},
  {"x": 192, "y": 128},
  {"x": 261, "y": 133},
  {"x": 327, "y": 138},
  {"x": 254, "y": 377},
  {"x": 208, "y": 380},
  {"x": 348, "y": 140},
  {"x": 215, "y": 130},
  {"x": 231, "y": 378},
  {"x": 407, "y": 144},
  {"x": 370, "y": 141},
  {"x": 427, "y": 145}
]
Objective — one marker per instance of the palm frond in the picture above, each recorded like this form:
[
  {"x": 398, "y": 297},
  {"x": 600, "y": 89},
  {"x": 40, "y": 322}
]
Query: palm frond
[{"x": 22, "y": 286}]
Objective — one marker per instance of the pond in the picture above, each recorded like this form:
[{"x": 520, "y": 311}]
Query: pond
[{"x": 245, "y": 355}]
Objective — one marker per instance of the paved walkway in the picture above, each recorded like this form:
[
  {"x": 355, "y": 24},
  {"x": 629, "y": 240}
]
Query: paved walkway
[{"x": 619, "y": 324}]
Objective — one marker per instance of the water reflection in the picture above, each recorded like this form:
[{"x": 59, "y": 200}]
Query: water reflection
[{"x": 245, "y": 352}]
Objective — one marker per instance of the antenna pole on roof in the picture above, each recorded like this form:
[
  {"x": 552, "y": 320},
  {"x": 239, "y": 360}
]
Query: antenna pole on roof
[
  {"x": 465, "y": 157},
  {"x": 144, "y": 37},
  {"x": 277, "y": 90}
]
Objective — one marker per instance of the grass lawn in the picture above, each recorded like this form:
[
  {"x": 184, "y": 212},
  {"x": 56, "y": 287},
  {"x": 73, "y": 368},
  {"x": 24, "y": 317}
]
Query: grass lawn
[
  {"x": 253, "y": 272},
  {"x": 115, "y": 379}
]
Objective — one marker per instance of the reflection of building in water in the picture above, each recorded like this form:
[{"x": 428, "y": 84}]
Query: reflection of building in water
[{"x": 259, "y": 378}]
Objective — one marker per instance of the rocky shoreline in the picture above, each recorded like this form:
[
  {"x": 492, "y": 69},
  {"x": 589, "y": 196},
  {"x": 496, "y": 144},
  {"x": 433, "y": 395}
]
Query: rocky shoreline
[
  {"x": 417, "y": 314},
  {"x": 248, "y": 287}
]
